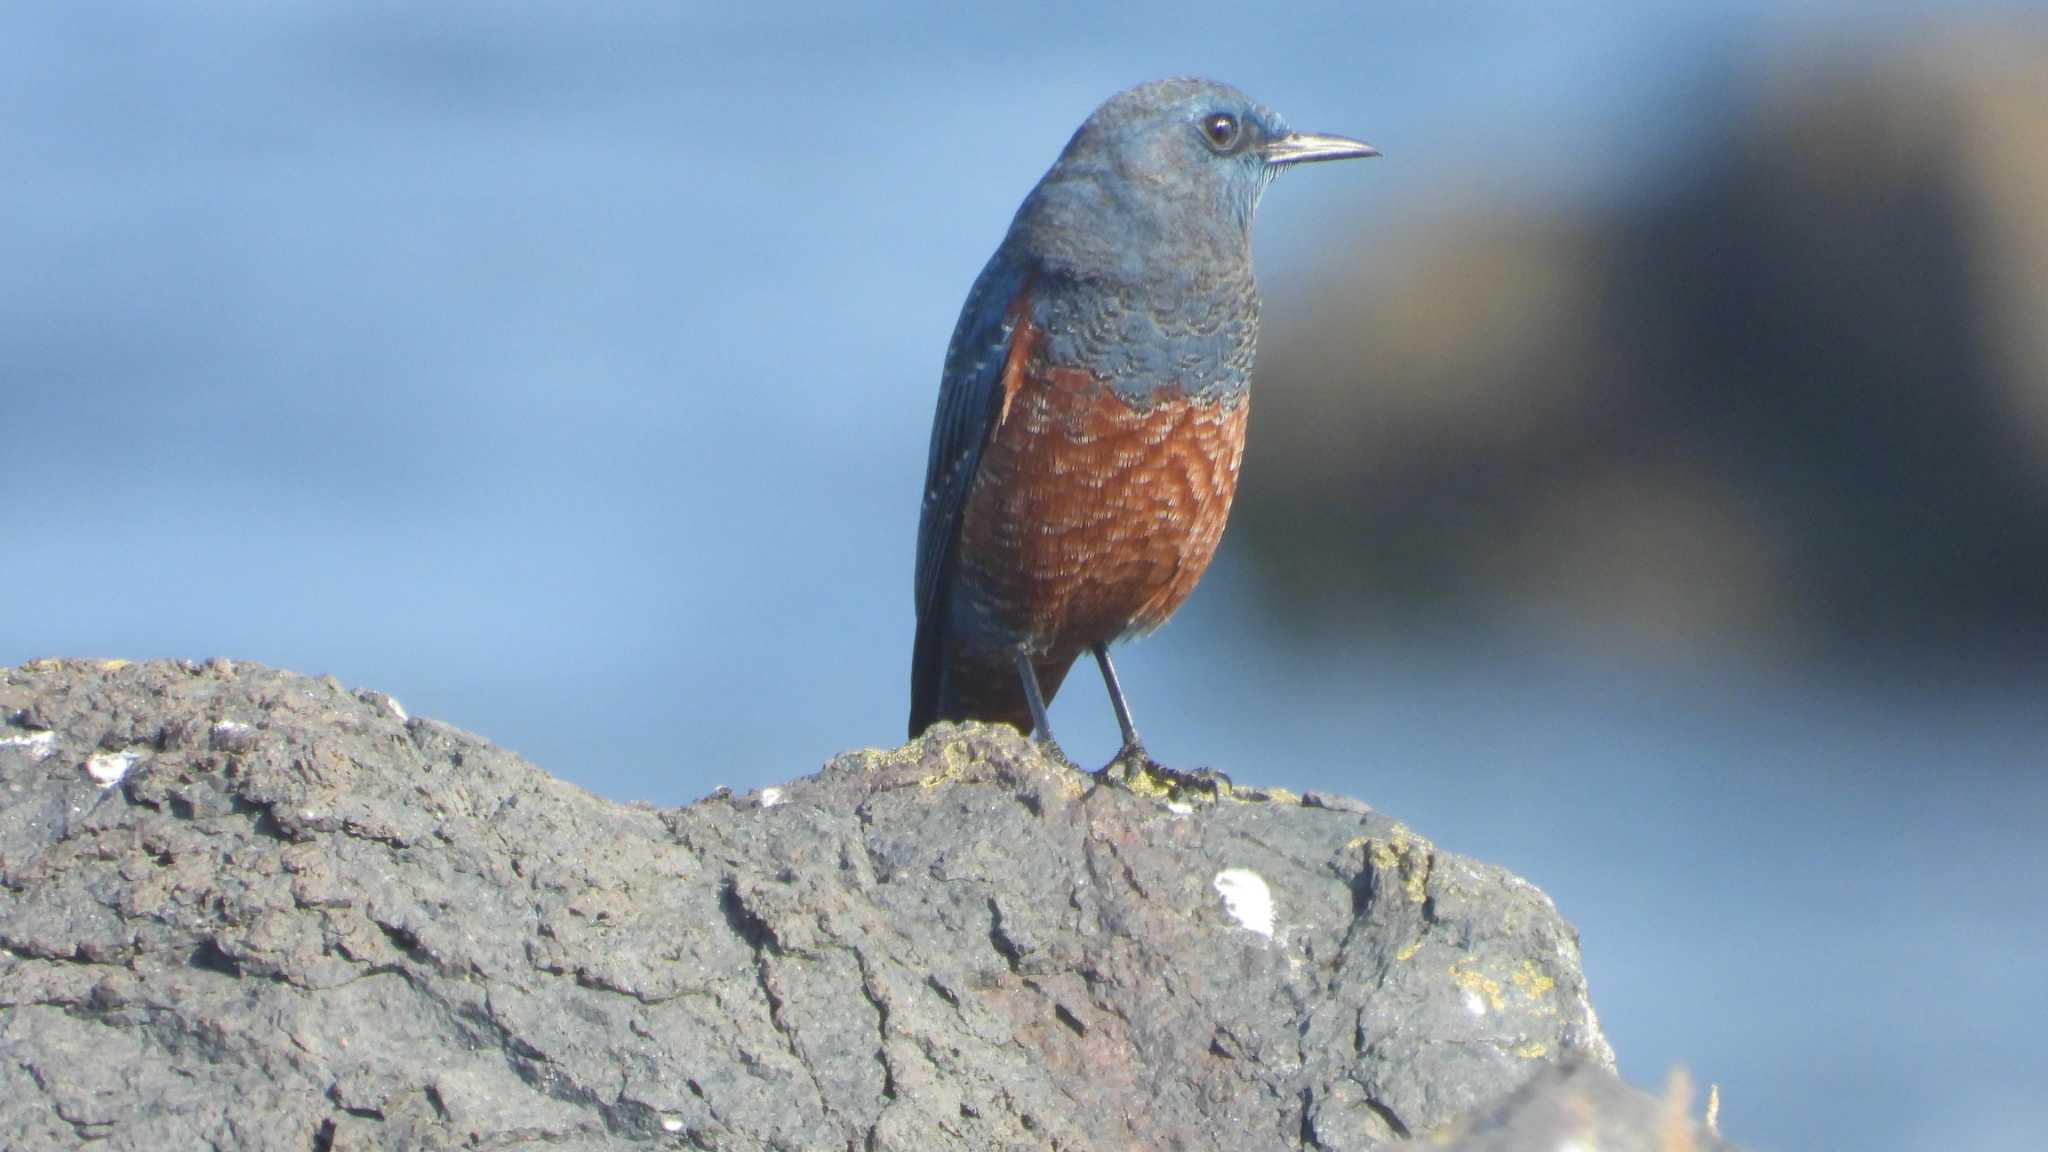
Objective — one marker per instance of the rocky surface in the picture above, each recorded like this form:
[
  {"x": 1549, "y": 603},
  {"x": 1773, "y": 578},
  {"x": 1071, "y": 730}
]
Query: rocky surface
[{"x": 243, "y": 908}]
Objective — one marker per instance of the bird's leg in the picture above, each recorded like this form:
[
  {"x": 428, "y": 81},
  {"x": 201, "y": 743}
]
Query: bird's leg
[
  {"x": 1041, "y": 724},
  {"x": 1135, "y": 766},
  {"x": 1133, "y": 752}
]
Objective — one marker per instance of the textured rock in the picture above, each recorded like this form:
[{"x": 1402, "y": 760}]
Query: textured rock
[{"x": 249, "y": 909}]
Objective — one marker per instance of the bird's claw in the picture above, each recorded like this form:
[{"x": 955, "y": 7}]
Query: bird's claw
[{"x": 1135, "y": 769}]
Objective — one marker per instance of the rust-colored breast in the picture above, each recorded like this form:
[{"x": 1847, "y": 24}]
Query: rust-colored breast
[{"x": 1090, "y": 518}]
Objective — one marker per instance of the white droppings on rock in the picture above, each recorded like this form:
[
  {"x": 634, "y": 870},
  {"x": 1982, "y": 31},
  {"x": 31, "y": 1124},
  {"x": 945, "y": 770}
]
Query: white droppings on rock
[
  {"x": 1569, "y": 1145},
  {"x": 36, "y": 744},
  {"x": 770, "y": 797},
  {"x": 1247, "y": 899},
  {"x": 396, "y": 708},
  {"x": 1474, "y": 1002},
  {"x": 230, "y": 735},
  {"x": 671, "y": 1124},
  {"x": 108, "y": 768},
  {"x": 1180, "y": 808}
]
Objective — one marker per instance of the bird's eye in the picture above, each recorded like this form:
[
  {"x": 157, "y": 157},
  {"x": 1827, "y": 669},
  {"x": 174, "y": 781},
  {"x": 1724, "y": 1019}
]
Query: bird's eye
[{"x": 1220, "y": 130}]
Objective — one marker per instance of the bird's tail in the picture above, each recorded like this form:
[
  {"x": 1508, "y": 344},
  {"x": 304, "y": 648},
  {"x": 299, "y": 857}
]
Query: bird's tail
[
  {"x": 927, "y": 659},
  {"x": 972, "y": 685}
]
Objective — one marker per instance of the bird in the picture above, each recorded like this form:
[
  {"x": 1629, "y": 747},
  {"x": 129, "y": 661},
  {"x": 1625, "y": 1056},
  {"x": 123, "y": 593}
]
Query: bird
[{"x": 1092, "y": 405}]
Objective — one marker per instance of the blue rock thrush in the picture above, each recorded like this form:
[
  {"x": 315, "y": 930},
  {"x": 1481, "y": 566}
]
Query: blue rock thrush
[{"x": 1092, "y": 412}]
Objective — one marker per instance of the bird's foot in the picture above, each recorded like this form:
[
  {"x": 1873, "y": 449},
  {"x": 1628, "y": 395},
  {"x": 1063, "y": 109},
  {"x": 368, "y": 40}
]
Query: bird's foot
[
  {"x": 1135, "y": 769},
  {"x": 1051, "y": 750},
  {"x": 1129, "y": 759}
]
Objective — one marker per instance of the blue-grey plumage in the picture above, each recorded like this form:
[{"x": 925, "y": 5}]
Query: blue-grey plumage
[{"x": 1119, "y": 319}]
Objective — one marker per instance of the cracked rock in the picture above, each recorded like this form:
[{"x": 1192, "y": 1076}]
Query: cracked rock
[{"x": 302, "y": 920}]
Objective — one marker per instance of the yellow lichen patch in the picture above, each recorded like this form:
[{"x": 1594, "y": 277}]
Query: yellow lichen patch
[
  {"x": 875, "y": 759},
  {"x": 870, "y": 761},
  {"x": 1254, "y": 795},
  {"x": 865, "y": 759},
  {"x": 1166, "y": 784},
  {"x": 1405, "y": 839},
  {"x": 953, "y": 761},
  {"x": 1531, "y": 1050},
  {"x": 1408, "y": 953},
  {"x": 1474, "y": 981},
  {"x": 899, "y": 766},
  {"x": 1147, "y": 783},
  {"x": 1532, "y": 980},
  {"x": 112, "y": 665},
  {"x": 1407, "y": 854}
]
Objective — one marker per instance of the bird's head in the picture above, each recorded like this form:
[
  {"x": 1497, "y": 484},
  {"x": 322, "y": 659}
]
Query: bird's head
[{"x": 1181, "y": 158}]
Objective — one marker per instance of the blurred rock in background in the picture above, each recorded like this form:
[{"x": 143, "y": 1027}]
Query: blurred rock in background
[{"x": 1790, "y": 399}]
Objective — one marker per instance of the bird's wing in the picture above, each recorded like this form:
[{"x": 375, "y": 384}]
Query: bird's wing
[{"x": 971, "y": 400}]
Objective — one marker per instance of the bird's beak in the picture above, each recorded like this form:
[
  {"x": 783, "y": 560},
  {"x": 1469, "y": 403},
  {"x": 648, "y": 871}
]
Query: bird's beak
[{"x": 1304, "y": 147}]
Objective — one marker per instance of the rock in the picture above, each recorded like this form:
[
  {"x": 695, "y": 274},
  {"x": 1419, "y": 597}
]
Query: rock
[
  {"x": 300, "y": 920},
  {"x": 1826, "y": 317},
  {"x": 1577, "y": 1106}
]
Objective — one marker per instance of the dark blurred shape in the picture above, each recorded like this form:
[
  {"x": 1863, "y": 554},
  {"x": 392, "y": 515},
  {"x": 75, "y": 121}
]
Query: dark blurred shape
[{"x": 1792, "y": 399}]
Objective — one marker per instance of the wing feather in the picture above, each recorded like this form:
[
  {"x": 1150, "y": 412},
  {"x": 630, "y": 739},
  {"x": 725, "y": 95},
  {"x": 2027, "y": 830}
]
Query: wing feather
[{"x": 972, "y": 401}]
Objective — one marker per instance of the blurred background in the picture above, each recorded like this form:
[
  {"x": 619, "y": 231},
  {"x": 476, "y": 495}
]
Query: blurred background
[{"x": 1648, "y": 489}]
